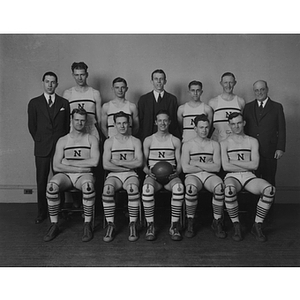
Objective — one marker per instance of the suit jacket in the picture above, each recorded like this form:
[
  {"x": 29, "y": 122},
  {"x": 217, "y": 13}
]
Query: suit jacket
[
  {"x": 269, "y": 129},
  {"x": 44, "y": 130},
  {"x": 147, "y": 109}
]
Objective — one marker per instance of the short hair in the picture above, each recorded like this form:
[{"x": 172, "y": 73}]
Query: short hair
[
  {"x": 235, "y": 115},
  {"x": 121, "y": 114},
  {"x": 202, "y": 117},
  {"x": 80, "y": 111},
  {"x": 227, "y": 74},
  {"x": 162, "y": 112},
  {"x": 119, "y": 79},
  {"x": 49, "y": 73},
  {"x": 79, "y": 66},
  {"x": 261, "y": 81},
  {"x": 160, "y": 71},
  {"x": 195, "y": 82}
]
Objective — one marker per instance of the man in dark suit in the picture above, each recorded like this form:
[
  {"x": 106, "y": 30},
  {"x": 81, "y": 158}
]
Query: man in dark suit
[
  {"x": 266, "y": 122},
  {"x": 48, "y": 120},
  {"x": 154, "y": 101}
]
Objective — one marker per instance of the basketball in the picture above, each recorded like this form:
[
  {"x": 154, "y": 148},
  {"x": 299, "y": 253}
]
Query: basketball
[{"x": 162, "y": 170}]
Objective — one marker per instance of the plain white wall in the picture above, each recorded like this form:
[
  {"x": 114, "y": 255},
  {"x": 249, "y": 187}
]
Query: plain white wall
[{"x": 25, "y": 58}]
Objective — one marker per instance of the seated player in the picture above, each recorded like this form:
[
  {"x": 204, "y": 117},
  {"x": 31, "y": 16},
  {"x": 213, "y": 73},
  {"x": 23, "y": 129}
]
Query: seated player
[
  {"x": 76, "y": 154},
  {"x": 122, "y": 155},
  {"x": 200, "y": 159},
  {"x": 162, "y": 146},
  {"x": 240, "y": 158}
]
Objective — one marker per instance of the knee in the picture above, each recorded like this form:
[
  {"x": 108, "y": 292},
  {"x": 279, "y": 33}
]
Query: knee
[
  {"x": 191, "y": 190},
  {"x": 178, "y": 188},
  {"x": 219, "y": 189},
  {"x": 269, "y": 191},
  {"x": 132, "y": 189},
  {"x": 230, "y": 191},
  {"x": 148, "y": 189},
  {"x": 52, "y": 191},
  {"x": 88, "y": 190},
  {"x": 108, "y": 190}
]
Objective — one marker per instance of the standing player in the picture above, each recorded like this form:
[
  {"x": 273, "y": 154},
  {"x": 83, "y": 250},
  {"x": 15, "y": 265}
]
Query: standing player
[
  {"x": 187, "y": 112},
  {"x": 162, "y": 146},
  {"x": 84, "y": 96},
  {"x": 240, "y": 158},
  {"x": 75, "y": 155},
  {"x": 200, "y": 159},
  {"x": 223, "y": 105},
  {"x": 119, "y": 103},
  {"x": 122, "y": 155}
]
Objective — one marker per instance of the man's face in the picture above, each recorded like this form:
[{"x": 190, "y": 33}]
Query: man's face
[
  {"x": 121, "y": 125},
  {"x": 260, "y": 91},
  {"x": 158, "y": 81},
  {"x": 120, "y": 89},
  {"x": 80, "y": 76},
  {"x": 202, "y": 129},
  {"x": 78, "y": 122},
  {"x": 237, "y": 125},
  {"x": 195, "y": 92},
  {"x": 50, "y": 84},
  {"x": 228, "y": 83},
  {"x": 162, "y": 121}
]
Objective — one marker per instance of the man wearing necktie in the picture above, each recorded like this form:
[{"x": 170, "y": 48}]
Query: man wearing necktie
[
  {"x": 266, "y": 122},
  {"x": 48, "y": 120},
  {"x": 154, "y": 101}
]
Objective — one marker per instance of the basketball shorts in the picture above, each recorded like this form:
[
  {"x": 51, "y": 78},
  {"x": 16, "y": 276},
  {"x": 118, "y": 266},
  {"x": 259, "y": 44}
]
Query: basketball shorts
[
  {"x": 242, "y": 177},
  {"x": 123, "y": 176}
]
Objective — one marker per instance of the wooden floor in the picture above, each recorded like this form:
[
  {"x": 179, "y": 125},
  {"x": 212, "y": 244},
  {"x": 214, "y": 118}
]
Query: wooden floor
[{"x": 22, "y": 242}]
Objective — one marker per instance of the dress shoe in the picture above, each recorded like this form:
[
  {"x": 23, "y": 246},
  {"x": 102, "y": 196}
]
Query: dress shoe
[{"x": 40, "y": 219}]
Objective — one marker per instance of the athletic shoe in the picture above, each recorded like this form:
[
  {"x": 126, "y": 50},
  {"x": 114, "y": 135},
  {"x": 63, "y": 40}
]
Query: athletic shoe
[
  {"x": 133, "y": 236},
  {"x": 110, "y": 232},
  {"x": 217, "y": 226},
  {"x": 150, "y": 234},
  {"x": 87, "y": 232},
  {"x": 52, "y": 232},
  {"x": 174, "y": 232},
  {"x": 237, "y": 236},
  {"x": 257, "y": 232},
  {"x": 190, "y": 228}
]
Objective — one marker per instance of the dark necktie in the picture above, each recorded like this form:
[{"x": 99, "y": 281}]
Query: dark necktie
[
  {"x": 261, "y": 106},
  {"x": 159, "y": 98},
  {"x": 50, "y": 101}
]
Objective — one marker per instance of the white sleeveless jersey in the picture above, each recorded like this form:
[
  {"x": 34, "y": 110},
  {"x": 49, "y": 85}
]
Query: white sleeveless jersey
[
  {"x": 85, "y": 100},
  {"x": 79, "y": 151},
  {"x": 200, "y": 153},
  {"x": 189, "y": 114},
  {"x": 122, "y": 151},
  {"x": 162, "y": 151},
  {"x": 240, "y": 152},
  {"x": 113, "y": 109},
  {"x": 221, "y": 113}
]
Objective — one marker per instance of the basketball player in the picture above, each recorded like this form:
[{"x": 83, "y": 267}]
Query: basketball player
[
  {"x": 76, "y": 154},
  {"x": 119, "y": 103},
  {"x": 240, "y": 158},
  {"x": 122, "y": 155},
  {"x": 162, "y": 146},
  {"x": 187, "y": 112},
  {"x": 84, "y": 96},
  {"x": 223, "y": 105},
  {"x": 201, "y": 158}
]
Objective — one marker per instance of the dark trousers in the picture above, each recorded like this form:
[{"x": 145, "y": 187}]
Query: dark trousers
[{"x": 267, "y": 169}]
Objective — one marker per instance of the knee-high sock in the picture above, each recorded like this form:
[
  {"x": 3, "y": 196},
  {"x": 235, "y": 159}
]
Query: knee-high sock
[
  {"x": 109, "y": 205},
  {"x": 53, "y": 201},
  {"x": 133, "y": 204},
  {"x": 176, "y": 202},
  {"x": 191, "y": 202},
  {"x": 231, "y": 204},
  {"x": 148, "y": 202},
  {"x": 264, "y": 204}
]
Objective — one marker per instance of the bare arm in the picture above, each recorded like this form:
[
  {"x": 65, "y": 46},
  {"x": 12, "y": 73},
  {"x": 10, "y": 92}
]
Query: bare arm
[
  {"x": 177, "y": 144},
  {"x": 97, "y": 98},
  {"x": 146, "y": 148},
  {"x": 135, "y": 118},
  {"x": 103, "y": 119},
  {"x": 67, "y": 94},
  {"x": 180, "y": 118},
  {"x": 185, "y": 160},
  {"x": 227, "y": 166}
]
